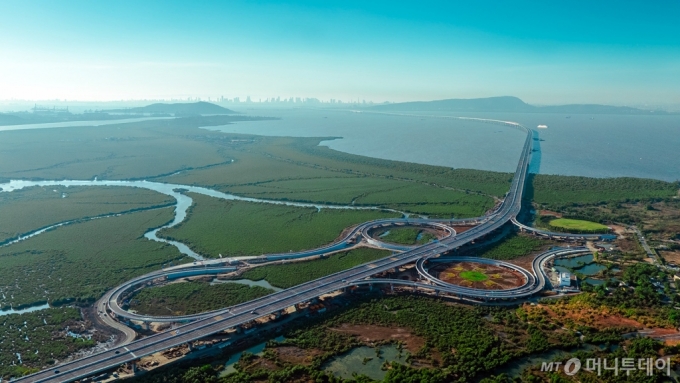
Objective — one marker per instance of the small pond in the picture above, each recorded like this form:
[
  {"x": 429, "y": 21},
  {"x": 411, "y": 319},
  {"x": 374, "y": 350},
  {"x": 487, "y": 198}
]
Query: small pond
[
  {"x": 257, "y": 350},
  {"x": 594, "y": 282},
  {"x": 363, "y": 360},
  {"x": 583, "y": 264}
]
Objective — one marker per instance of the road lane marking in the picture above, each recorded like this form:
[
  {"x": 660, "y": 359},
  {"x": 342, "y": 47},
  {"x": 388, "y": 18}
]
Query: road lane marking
[
  {"x": 131, "y": 353},
  {"x": 514, "y": 186}
]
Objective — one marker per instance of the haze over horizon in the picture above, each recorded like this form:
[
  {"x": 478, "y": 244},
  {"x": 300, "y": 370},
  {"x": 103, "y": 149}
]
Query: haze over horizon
[{"x": 606, "y": 52}]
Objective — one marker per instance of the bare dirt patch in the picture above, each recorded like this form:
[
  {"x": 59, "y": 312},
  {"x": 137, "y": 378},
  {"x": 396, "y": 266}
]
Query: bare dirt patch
[
  {"x": 371, "y": 334},
  {"x": 497, "y": 277},
  {"x": 672, "y": 342},
  {"x": 601, "y": 317},
  {"x": 462, "y": 229},
  {"x": 619, "y": 230},
  {"x": 657, "y": 332},
  {"x": 671, "y": 256},
  {"x": 296, "y": 355},
  {"x": 261, "y": 363},
  {"x": 629, "y": 246},
  {"x": 525, "y": 261},
  {"x": 101, "y": 330},
  {"x": 550, "y": 213}
]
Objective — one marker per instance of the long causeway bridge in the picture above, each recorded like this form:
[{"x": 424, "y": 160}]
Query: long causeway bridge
[{"x": 206, "y": 324}]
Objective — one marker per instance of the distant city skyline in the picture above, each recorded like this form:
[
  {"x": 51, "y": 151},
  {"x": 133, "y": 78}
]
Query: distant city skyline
[
  {"x": 289, "y": 101},
  {"x": 617, "y": 53}
]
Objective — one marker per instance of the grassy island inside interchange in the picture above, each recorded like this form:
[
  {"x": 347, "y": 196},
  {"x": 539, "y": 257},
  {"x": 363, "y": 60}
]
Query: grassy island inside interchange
[{"x": 98, "y": 242}]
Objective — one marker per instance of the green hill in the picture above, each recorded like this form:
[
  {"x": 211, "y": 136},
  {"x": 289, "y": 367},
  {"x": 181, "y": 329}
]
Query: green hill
[
  {"x": 192, "y": 108},
  {"x": 508, "y": 104}
]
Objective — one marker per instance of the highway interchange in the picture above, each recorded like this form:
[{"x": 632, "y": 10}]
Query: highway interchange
[{"x": 213, "y": 322}]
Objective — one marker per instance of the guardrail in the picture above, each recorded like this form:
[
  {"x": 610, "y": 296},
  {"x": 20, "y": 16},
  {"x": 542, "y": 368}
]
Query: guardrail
[{"x": 237, "y": 315}]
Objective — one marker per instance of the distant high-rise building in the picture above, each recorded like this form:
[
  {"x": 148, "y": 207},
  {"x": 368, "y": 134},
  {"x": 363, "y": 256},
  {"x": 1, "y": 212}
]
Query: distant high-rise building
[{"x": 45, "y": 110}]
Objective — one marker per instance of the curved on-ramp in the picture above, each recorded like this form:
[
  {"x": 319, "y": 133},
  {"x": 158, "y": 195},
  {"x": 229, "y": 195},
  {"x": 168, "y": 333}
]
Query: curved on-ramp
[
  {"x": 553, "y": 234},
  {"x": 247, "y": 312}
]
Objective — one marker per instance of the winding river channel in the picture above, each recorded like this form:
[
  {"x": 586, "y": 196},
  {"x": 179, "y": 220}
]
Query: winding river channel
[{"x": 174, "y": 190}]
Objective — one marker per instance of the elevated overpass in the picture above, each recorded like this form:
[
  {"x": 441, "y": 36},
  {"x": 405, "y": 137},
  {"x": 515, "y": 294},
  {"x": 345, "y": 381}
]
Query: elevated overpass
[
  {"x": 229, "y": 318},
  {"x": 533, "y": 282},
  {"x": 557, "y": 235}
]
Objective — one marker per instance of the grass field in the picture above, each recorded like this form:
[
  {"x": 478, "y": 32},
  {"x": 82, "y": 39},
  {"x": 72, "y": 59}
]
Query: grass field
[
  {"x": 558, "y": 192},
  {"x": 41, "y": 341},
  {"x": 407, "y": 236},
  {"x": 474, "y": 276},
  {"x": 188, "y": 298},
  {"x": 122, "y": 151},
  {"x": 268, "y": 167},
  {"x": 284, "y": 168},
  {"x": 511, "y": 247},
  {"x": 292, "y": 274},
  {"x": 577, "y": 225},
  {"x": 236, "y": 228},
  {"x": 81, "y": 261},
  {"x": 297, "y": 169},
  {"x": 26, "y": 210}
]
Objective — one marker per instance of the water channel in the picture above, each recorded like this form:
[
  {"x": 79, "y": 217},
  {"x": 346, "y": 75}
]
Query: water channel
[
  {"x": 68, "y": 124},
  {"x": 174, "y": 190},
  {"x": 25, "y": 310}
]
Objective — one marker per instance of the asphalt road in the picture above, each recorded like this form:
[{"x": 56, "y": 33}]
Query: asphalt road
[{"x": 249, "y": 311}]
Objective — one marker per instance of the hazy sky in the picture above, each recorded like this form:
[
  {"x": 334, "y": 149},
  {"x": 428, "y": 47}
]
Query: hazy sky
[{"x": 618, "y": 52}]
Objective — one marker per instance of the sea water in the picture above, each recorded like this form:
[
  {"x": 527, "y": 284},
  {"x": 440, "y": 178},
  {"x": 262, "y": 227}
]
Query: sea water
[{"x": 644, "y": 146}]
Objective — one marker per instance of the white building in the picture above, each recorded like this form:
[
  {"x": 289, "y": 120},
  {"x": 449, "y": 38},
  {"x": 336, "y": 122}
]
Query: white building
[{"x": 565, "y": 279}]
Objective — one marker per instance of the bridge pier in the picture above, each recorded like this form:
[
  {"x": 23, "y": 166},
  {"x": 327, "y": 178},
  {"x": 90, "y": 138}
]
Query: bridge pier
[{"x": 504, "y": 212}]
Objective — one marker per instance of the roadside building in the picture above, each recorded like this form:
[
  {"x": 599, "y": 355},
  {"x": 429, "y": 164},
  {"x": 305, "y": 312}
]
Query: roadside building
[
  {"x": 565, "y": 279},
  {"x": 604, "y": 246}
]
